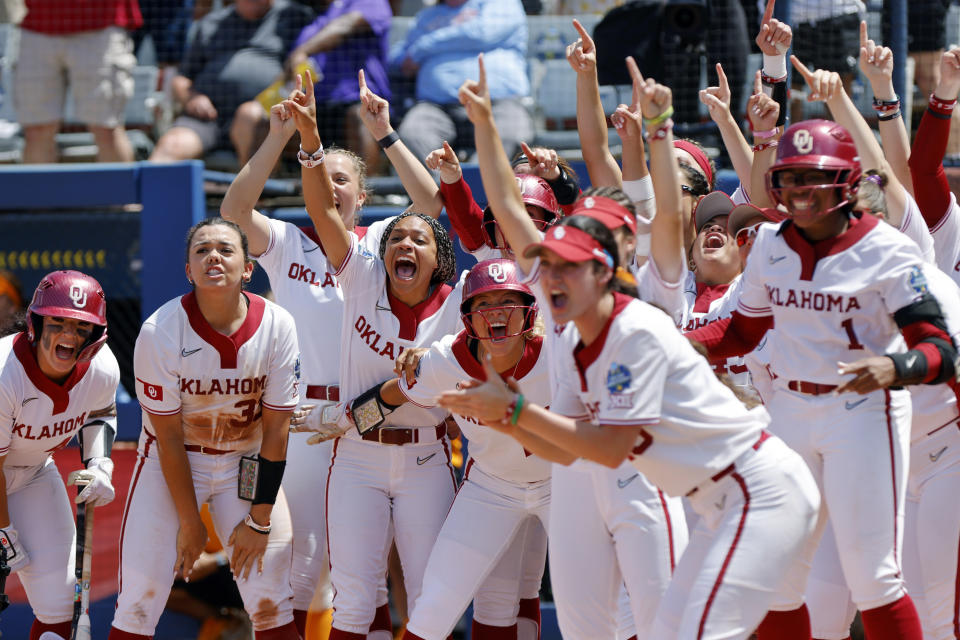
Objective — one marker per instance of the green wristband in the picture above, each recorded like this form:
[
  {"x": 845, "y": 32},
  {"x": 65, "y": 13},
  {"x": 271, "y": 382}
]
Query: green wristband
[
  {"x": 517, "y": 409},
  {"x": 660, "y": 119}
]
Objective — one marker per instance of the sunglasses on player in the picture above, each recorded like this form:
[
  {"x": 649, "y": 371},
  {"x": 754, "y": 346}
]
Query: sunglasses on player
[{"x": 747, "y": 233}]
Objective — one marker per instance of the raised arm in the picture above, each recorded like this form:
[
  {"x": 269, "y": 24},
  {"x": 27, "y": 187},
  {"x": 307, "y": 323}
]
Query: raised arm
[
  {"x": 876, "y": 63},
  {"x": 503, "y": 194},
  {"x": 466, "y": 216},
  {"x": 717, "y": 100},
  {"x": 627, "y": 122},
  {"x": 764, "y": 113},
  {"x": 241, "y": 198},
  {"x": 416, "y": 180},
  {"x": 666, "y": 230},
  {"x": 317, "y": 189},
  {"x": 591, "y": 121},
  {"x": 827, "y": 86},
  {"x": 930, "y": 144}
]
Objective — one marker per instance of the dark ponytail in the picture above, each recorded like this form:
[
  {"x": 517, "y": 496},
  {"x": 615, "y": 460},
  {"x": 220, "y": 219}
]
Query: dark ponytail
[{"x": 622, "y": 280}]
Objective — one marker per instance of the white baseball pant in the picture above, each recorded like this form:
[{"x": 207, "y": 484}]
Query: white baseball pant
[
  {"x": 39, "y": 508},
  {"x": 369, "y": 486},
  {"x": 610, "y": 527},
  {"x": 754, "y": 534},
  {"x": 482, "y": 537},
  {"x": 148, "y": 542}
]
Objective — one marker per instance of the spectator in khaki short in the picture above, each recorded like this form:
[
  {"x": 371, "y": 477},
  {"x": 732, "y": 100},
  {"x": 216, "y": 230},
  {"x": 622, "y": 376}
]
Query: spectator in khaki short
[{"x": 88, "y": 43}]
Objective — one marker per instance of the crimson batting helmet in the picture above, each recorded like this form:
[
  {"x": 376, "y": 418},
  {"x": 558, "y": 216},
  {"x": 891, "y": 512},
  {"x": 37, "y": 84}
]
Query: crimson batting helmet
[
  {"x": 534, "y": 190},
  {"x": 822, "y": 145},
  {"x": 70, "y": 294},
  {"x": 496, "y": 275}
]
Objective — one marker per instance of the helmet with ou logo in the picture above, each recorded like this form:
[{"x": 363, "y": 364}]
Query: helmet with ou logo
[
  {"x": 70, "y": 294},
  {"x": 820, "y": 145},
  {"x": 533, "y": 190},
  {"x": 496, "y": 275}
]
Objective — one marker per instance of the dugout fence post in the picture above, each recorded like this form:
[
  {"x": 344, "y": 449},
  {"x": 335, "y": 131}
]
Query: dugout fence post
[{"x": 898, "y": 44}]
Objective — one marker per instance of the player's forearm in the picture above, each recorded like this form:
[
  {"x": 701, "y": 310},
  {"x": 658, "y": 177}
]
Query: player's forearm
[
  {"x": 276, "y": 428},
  {"x": 592, "y": 129},
  {"x": 321, "y": 207},
  {"x": 4, "y": 511},
  {"x": 466, "y": 216},
  {"x": 503, "y": 194},
  {"x": 926, "y": 163},
  {"x": 733, "y": 336},
  {"x": 893, "y": 136},
  {"x": 762, "y": 161},
  {"x": 390, "y": 393},
  {"x": 245, "y": 190},
  {"x": 416, "y": 180},
  {"x": 542, "y": 448},
  {"x": 741, "y": 155},
  {"x": 666, "y": 246}
]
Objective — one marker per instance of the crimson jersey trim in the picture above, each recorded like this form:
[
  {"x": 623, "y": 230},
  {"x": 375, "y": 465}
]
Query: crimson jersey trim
[
  {"x": 811, "y": 253},
  {"x": 584, "y": 356},
  {"x": 227, "y": 346},
  {"x": 58, "y": 393},
  {"x": 473, "y": 368},
  {"x": 410, "y": 317}
]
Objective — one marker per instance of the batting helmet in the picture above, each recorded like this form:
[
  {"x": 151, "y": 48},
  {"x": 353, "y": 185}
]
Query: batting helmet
[
  {"x": 817, "y": 144},
  {"x": 496, "y": 275},
  {"x": 534, "y": 190},
  {"x": 70, "y": 294}
]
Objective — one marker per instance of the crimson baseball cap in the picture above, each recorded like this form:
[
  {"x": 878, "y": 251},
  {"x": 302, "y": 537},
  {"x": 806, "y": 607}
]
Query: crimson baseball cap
[
  {"x": 606, "y": 210},
  {"x": 715, "y": 203},
  {"x": 572, "y": 245},
  {"x": 742, "y": 213}
]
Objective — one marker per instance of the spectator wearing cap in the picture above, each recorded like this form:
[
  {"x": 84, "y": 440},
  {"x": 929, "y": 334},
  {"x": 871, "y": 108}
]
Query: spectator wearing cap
[
  {"x": 350, "y": 35},
  {"x": 441, "y": 50},
  {"x": 86, "y": 44}
]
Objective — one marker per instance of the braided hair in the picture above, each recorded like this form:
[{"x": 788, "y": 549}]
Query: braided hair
[{"x": 446, "y": 260}]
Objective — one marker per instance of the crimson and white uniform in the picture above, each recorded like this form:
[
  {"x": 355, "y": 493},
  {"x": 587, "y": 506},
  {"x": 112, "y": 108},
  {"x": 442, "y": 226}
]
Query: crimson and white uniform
[
  {"x": 751, "y": 492},
  {"x": 609, "y": 528},
  {"x": 834, "y": 303},
  {"x": 371, "y": 484},
  {"x": 503, "y": 487},
  {"x": 946, "y": 240},
  {"x": 38, "y": 416},
  {"x": 930, "y": 559},
  {"x": 707, "y": 304},
  {"x": 303, "y": 283},
  {"x": 217, "y": 384}
]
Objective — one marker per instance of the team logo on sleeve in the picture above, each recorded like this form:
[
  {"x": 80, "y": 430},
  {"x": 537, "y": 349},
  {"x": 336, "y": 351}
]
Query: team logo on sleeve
[
  {"x": 918, "y": 281},
  {"x": 152, "y": 391},
  {"x": 296, "y": 368},
  {"x": 618, "y": 381}
]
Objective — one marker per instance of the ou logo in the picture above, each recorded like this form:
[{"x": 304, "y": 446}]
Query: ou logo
[
  {"x": 78, "y": 296},
  {"x": 497, "y": 272},
  {"x": 803, "y": 141},
  {"x": 152, "y": 391}
]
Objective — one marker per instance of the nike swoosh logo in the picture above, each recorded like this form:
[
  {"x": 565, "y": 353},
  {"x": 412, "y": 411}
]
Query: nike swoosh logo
[
  {"x": 24, "y": 403},
  {"x": 776, "y": 260},
  {"x": 723, "y": 502},
  {"x": 853, "y": 405},
  {"x": 184, "y": 353},
  {"x": 424, "y": 460},
  {"x": 314, "y": 248},
  {"x": 910, "y": 361},
  {"x": 936, "y": 456},
  {"x": 625, "y": 481}
]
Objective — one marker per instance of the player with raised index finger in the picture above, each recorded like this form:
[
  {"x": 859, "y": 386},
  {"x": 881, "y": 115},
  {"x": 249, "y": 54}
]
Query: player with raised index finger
[
  {"x": 217, "y": 377},
  {"x": 57, "y": 378}
]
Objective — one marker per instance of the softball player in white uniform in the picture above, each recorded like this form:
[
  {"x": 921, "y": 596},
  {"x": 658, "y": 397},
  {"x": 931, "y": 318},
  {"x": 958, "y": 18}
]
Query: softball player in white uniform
[
  {"x": 396, "y": 477},
  {"x": 57, "y": 379},
  {"x": 840, "y": 302},
  {"x": 624, "y": 521},
  {"x": 633, "y": 387},
  {"x": 504, "y": 484},
  {"x": 303, "y": 282},
  {"x": 217, "y": 377}
]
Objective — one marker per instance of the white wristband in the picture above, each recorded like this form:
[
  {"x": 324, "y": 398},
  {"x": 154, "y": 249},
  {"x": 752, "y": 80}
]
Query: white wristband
[
  {"x": 310, "y": 160},
  {"x": 639, "y": 190},
  {"x": 775, "y": 66},
  {"x": 259, "y": 528}
]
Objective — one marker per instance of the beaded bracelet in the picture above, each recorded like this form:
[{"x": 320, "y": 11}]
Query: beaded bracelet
[
  {"x": 889, "y": 116},
  {"x": 657, "y": 120},
  {"x": 764, "y": 146},
  {"x": 660, "y": 133}
]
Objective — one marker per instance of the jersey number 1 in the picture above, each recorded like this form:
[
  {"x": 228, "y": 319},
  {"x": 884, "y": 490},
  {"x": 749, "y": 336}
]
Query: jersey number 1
[{"x": 851, "y": 335}]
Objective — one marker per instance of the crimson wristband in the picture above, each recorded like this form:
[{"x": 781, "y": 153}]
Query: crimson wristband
[{"x": 940, "y": 106}]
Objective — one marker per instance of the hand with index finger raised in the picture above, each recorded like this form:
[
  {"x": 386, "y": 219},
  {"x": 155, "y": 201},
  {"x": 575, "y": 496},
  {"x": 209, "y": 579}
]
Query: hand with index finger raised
[
  {"x": 475, "y": 97},
  {"x": 582, "y": 54}
]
